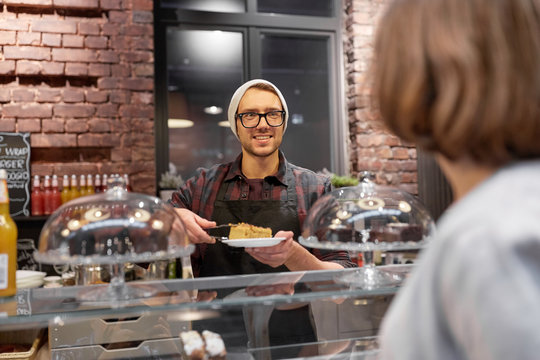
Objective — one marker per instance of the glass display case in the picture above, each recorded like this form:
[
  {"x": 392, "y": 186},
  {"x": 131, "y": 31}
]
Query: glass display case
[{"x": 249, "y": 313}]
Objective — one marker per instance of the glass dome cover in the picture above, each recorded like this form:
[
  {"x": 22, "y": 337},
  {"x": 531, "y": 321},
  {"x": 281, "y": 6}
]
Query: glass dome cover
[
  {"x": 113, "y": 227},
  {"x": 367, "y": 217}
]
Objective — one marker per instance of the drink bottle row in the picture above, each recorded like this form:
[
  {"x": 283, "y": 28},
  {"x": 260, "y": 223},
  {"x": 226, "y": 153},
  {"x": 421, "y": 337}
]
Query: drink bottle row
[{"x": 47, "y": 194}]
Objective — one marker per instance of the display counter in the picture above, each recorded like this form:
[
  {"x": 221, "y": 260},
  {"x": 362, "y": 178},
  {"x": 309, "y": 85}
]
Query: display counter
[{"x": 242, "y": 309}]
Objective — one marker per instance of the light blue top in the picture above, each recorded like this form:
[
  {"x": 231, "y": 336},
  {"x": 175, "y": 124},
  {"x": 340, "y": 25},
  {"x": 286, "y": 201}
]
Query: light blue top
[{"x": 475, "y": 293}]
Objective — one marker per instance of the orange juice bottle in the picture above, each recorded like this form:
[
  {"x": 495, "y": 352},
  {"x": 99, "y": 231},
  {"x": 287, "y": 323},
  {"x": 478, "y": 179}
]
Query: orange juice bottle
[
  {"x": 73, "y": 188},
  {"x": 90, "y": 190},
  {"x": 65, "y": 194},
  {"x": 8, "y": 242},
  {"x": 83, "y": 190}
]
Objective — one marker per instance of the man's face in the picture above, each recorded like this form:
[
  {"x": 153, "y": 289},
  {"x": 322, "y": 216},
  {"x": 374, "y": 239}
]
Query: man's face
[{"x": 262, "y": 140}]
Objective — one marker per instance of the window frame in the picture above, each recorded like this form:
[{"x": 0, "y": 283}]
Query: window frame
[{"x": 255, "y": 23}]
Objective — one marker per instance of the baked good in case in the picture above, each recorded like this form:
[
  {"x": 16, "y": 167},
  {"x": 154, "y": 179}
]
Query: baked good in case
[
  {"x": 192, "y": 345},
  {"x": 396, "y": 232},
  {"x": 215, "y": 347},
  {"x": 247, "y": 231},
  {"x": 208, "y": 346}
]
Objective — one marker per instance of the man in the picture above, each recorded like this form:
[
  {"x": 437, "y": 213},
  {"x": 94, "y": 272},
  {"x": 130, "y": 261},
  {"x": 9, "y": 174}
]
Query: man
[{"x": 261, "y": 188}]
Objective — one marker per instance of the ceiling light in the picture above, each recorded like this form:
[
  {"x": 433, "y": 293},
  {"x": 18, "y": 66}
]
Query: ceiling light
[
  {"x": 179, "y": 123},
  {"x": 224, "y": 123},
  {"x": 213, "y": 110}
]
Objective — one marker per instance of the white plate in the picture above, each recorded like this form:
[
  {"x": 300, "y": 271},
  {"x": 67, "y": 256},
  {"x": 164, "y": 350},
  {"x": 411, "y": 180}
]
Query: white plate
[
  {"x": 29, "y": 279},
  {"x": 255, "y": 242},
  {"x": 29, "y": 274},
  {"x": 28, "y": 284}
]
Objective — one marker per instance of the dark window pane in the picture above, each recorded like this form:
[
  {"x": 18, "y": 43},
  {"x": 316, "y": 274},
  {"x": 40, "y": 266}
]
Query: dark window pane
[
  {"x": 232, "y": 6},
  {"x": 204, "y": 69},
  {"x": 297, "y": 7},
  {"x": 299, "y": 67}
]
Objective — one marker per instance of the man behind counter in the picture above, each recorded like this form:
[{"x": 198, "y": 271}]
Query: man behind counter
[{"x": 261, "y": 188}]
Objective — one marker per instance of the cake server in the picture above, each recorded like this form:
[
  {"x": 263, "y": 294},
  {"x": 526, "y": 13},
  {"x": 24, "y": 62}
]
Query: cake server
[{"x": 220, "y": 232}]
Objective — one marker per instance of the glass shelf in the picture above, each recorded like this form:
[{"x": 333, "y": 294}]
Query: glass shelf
[{"x": 188, "y": 297}]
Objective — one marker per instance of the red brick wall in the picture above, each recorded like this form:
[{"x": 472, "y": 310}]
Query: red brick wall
[
  {"x": 79, "y": 76},
  {"x": 371, "y": 147}
]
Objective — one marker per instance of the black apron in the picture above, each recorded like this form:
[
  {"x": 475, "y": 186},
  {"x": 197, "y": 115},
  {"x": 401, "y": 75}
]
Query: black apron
[{"x": 221, "y": 259}]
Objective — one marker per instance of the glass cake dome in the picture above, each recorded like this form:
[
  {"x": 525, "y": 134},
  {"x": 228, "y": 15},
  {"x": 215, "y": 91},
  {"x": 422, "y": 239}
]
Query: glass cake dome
[
  {"x": 113, "y": 228},
  {"x": 366, "y": 218}
]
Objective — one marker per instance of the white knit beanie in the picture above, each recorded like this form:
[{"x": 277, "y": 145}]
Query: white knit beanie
[{"x": 233, "y": 106}]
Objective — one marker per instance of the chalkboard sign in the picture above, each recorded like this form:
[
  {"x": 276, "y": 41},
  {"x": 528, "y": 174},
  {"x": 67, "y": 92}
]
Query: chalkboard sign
[{"x": 15, "y": 159}]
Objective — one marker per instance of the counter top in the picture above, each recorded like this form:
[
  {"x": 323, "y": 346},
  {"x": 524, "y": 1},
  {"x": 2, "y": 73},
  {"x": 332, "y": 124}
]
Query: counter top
[{"x": 42, "y": 307}]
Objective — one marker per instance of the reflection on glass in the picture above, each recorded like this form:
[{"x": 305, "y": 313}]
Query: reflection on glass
[
  {"x": 230, "y": 6},
  {"x": 204, "y": 67},
  {"x": 298, "y": 65},
  {"x": 297, "y": 7}
]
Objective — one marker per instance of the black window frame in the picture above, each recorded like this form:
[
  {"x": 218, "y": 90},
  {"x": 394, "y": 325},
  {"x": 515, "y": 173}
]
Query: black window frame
[{"x": 255, "y": 23}]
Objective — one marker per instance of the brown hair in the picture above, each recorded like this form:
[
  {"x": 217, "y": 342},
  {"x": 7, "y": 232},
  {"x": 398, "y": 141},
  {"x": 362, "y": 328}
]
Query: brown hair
[{"x": 461, "y": 77}]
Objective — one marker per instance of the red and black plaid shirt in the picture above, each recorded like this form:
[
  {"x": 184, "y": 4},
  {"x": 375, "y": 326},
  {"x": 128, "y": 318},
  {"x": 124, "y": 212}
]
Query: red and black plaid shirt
[{"x": 198, "y": 194}]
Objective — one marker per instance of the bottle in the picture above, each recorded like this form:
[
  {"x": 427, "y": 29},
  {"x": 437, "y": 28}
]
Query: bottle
[
  {"x": 73, "y": 189},
  {"x": 36, "y": 197},
  {"x": 47, "y": 196},
  {"x": 90, "y": 190},
  {"x": 97, "y": 184},
  {"x": 82, "y": 186},
  {"x": 56, "y": 197},
  {"x": 104, "y": 183},
  {"x": 128, "y": 186},
  {"x": 65, "y": 195},
  {"x": 8, "y": 242}
]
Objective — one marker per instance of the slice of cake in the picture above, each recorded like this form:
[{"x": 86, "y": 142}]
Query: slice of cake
[
  {"x": 396, "y": 232},
  {"x": 215, "y": 347},
  {"x": 193, "y": 345},
  {"x": 247, "y": 231}
]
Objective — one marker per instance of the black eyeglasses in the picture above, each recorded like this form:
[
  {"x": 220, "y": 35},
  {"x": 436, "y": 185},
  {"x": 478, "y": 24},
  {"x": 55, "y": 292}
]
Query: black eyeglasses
[{"x": 273, "y": 118}]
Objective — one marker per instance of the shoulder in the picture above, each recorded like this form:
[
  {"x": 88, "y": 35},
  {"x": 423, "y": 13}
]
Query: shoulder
[
  {"x": 308, "y": 176},
  {"x": 210, "y": 174}
]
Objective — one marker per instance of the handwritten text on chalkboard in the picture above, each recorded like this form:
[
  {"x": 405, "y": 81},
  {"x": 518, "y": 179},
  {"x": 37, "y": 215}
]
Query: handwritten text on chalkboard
[{"x": 15, "y": 159}]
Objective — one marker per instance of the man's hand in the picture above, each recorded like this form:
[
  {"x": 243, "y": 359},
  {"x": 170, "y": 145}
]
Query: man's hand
[
  {"x": 194, "y": 225},
  {"x": 276, "y": 255},
  {"x": 291, "y": 254}
]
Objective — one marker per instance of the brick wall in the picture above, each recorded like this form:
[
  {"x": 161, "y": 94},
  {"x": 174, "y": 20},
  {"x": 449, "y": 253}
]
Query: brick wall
[
  {"x": 371, "y": 147},
  {"x": 78, "y": 75}
]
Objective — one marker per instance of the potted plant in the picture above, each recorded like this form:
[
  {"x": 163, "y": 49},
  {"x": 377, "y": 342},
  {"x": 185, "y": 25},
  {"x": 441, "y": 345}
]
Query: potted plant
[
  {"x": 168, "y": 183},
  {"x": 343, "y": 181},
  {"x": 340, "y": 180}
]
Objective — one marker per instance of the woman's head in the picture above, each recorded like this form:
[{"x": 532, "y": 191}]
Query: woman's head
[{"x": 462, "y": 77}]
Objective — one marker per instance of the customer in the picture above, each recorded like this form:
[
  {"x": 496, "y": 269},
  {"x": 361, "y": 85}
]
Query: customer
[
  {"x": 260, "y": 188},
  {"x": 461, "y": 78}
]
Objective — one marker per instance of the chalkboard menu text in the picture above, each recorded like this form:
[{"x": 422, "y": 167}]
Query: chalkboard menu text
[{"x": 15, "y": 159}]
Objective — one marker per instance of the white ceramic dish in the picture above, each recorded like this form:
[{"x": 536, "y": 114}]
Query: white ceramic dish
[
  {"x": 255, "y": 242},
  {"x": 29, "y": 279}
]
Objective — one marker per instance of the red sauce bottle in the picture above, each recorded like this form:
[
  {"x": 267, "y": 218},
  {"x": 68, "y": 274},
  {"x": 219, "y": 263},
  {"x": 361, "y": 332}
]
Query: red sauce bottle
[
  {"x": 36, "y": 197},
  {"x": 47, "y": 196}
]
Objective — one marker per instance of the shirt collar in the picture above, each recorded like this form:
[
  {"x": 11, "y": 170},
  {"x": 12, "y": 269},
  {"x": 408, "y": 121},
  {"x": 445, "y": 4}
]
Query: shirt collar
[{"x": 235, "y": 172}]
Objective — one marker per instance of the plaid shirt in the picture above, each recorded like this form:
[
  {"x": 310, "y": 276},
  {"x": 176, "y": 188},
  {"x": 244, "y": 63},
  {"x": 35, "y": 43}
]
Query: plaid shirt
[{"x": 199, "y": 193}]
